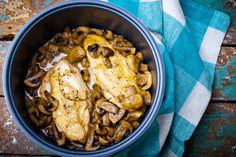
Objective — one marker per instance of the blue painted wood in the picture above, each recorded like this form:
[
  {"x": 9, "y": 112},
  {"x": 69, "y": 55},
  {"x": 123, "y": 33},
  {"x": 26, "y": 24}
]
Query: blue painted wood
[
  {"x": 216, "y": 133},
  {"x": 225, "y": 75}
]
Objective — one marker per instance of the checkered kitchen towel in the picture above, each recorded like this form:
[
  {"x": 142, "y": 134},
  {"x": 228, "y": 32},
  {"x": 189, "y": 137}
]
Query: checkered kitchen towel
[{"x": 189, "y": 37}]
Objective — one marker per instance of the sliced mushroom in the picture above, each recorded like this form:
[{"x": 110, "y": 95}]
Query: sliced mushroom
[
  {"x": 108, "y": 34},
  {"x": 107, "y": 52},
  {"x": 42, "y": 109},
  {"x": 59, "y": 136},
  {"x": 44, "y": 121},
  {"x": 132, "y": 63},
  {"x": 107, "y": 106},
  {"x": 134, "y": 116},
  {"x": 105, "y": 119},
  {"x": 52, "y": 47},
  {"x": 67, "y": 32},
  {"x": 59, "y": 39},
  {"x": 86, "y": 76},
  {"x": 100, "y": 131},
  {"x": 33, "y": 69},
  {"x": 42, "y": 106},
  {"x": 64, "y": 49},
  {"x": 143, "y": 67},
  {"x": 49, "y": 57},
  {"x": 29, "y": 101},
  {"x": 34, "y": 114},
  {"x": 49, "y": 131},
  {"x": 96, "y": 118},
  {"x": 132, "y": 102},
  {"x": 129, "y": 50},
  {"x": 98, "y": 108},
  {"x": 139, "y": 56},
  {"x": 120, "y": 41},
  {"x": 103, "y": 141},
  {"x": 135, "y": 124},
  {"x": 92, "y": 148},
  {"x": 93, "y": 50},
  {"x": 110, "y": 131},
  {"x": 76, "y": 54},
  {"x": 121, "y": 130},
  {"x": 90, "y": 137},
  {"x": 144, "y": 81},
  {"x": 41, "y": 58},
  {"x": 114, "y": 118},
  {"x": 84, "y": 63},
  {"x": 53, "y": 101},
  {"x": 96, "y": 92},
  {"x": 90, "y": 106},
  {"x": 44, "y": 63},
  {"x": 75, "y": 145},
  {"x": 83, "y": 29},
  {"x": 42, "y": 50},
  {"x": 80, "y": 39},
  {"x": 131, "y": 90},
  {"x": 75, "y": 34},
  {"x": 34, "y": 80},
  {"x": 147, "y": 98},
  {"x": 95, "y": 31},
  {"x": 107, "y": 62}
]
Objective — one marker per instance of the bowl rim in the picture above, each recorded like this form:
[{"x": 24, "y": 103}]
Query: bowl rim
[{"x": 160, "y": 77}]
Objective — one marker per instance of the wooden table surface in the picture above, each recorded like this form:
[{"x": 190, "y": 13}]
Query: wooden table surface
[{"x": 216, "y": 133}]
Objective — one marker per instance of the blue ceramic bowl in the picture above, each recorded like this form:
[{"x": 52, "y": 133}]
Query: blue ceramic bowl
[{"x": 43, "y": 27}]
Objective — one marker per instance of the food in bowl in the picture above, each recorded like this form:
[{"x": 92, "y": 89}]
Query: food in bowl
[{"x": 87, "y": 88}]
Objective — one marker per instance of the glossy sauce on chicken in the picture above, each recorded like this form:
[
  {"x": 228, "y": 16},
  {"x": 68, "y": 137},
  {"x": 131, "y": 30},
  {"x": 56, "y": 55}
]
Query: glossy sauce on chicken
[{"x": 87, "y": 88}]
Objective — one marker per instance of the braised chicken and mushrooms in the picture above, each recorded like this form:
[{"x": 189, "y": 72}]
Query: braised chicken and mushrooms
[{"x": 87, "y": 88}]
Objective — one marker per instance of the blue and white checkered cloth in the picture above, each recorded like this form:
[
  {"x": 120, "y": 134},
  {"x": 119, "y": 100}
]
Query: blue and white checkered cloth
[{"x": 189, "y": 37}]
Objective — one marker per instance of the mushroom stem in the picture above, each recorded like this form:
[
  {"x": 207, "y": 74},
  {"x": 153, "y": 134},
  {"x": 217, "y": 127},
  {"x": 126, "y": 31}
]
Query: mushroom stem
[
  {"x": 60, "y": 136},
  {"x": 53, "y": 101},
  {"x": 33, "y": 81}
]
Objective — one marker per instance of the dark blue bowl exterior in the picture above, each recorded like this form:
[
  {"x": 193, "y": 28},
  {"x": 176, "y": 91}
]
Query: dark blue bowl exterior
[{"x": 150, "y": 116}]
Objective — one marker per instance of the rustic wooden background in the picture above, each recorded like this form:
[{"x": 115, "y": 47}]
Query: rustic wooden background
[{"x": 216, "y": 133}]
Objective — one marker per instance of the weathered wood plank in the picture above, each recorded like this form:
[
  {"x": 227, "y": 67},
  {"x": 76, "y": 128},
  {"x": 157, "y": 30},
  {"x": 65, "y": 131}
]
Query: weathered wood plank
[
  {"x": 12, "y": 140},
  {"x": 14, "y": 14},
  {"x": 216, "y": 133},
  {"x": 225, "y": 75},
  {"x": 230, "y": 37}
]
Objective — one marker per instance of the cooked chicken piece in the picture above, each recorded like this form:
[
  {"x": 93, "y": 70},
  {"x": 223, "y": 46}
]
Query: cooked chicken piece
[
  {"x": 65, "y": 83},
  {"x": 113, "y": 80}
]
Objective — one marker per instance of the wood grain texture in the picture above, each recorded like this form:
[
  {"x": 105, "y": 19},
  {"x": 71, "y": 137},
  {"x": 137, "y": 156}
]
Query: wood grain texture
[
  {"x": 225, "y": 75},
  {"x": 216, "y": 133},
  {"x": 14, "y": 14},
  {"x": 12, "y": 140}
]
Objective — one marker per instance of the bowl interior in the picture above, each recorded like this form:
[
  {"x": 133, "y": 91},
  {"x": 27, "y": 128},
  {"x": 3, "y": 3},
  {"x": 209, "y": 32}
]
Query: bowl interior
[{"x": 43, "y": 28}]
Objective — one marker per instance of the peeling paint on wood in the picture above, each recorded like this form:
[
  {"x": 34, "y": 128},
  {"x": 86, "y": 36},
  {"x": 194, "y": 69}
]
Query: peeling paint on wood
[
  {"x": 12, "y": 140},
  {"x": 14, "y": 14},
  {"x": 216, "y": 133},
  {"x": 230, "y": 37},
  {"x": 225, "y": 75}
]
